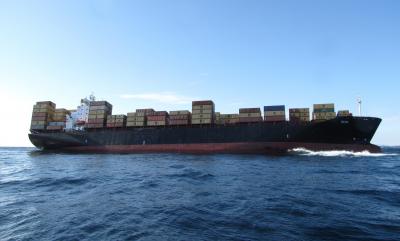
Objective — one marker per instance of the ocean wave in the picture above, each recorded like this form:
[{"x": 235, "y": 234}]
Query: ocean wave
[{"x": 340, "y": 153}]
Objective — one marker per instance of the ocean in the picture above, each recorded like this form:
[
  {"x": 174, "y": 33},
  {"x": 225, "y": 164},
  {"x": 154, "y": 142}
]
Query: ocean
[{"x": 305, "y": 195}]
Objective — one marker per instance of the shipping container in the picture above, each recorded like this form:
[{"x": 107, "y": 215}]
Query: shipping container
[
  {"x": 343, "y": 113},
  {"x": 160, "y": 113},
  {"x": 156, "y": 123},
  {"x": 324, "y": 110},
  {"x": 56, "y": 123},
  {"x": 249, "y": 119},
  {"x": 274, "y": 108},
  {"x": 202, "y": 102},
  {"x": 249, "y": 110},
  {"x": 274, "y": 113},
  {"x": 324, "y": 106},
  {"x": 179, "y": 117},
  {"x": 203, "y": 107},
  {"x": 202, "y": 111},
  {"x": 100, "y": 103},
  {"x": 202, "y": 116},
  {"x": 96, "y": 121},
  {"x": 299, "y": 114},
  {"x": 201, "y": 121},
  {"x": 296, "y": 110},
  {"x": 156, "y": 118},
  {"x": 179, "y": 112},
  {"x": 46, "y": 103},
  {"x": 251, "y": 114},
  {"x": 38, "y": 127},
  {"x": 39, "y": 118},
  {"x": 229, "y": 116},
  {"x": 38, "y": 123},
  {"x": 136, "y": 118},
  {"x": 274, "y": 118},
  {"x": 144, "y": 112},
  {"x": 136, "y": 123}
]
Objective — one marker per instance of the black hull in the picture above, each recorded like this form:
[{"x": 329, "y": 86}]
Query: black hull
[{"x": 352, "y": 133}]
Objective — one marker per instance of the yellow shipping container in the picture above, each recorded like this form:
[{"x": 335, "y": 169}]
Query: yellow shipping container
[
  {"x": 324, "y": 114},
  {"x": 227, "y": 116},
  {"x": 324, "y": 106},
  {"x": 343, "y": 113},
  {"x": 299, "y": 114}
]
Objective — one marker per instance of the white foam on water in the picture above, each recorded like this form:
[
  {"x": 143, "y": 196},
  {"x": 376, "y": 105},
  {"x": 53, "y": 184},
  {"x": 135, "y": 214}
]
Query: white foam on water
[{"x": 306, "y": 152}]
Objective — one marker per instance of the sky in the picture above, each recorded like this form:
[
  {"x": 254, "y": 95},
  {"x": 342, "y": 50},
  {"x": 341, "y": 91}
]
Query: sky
[{"x": 164, "y": 54}]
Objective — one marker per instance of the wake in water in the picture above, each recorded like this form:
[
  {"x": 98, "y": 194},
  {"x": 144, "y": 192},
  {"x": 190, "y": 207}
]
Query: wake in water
[{"x": 306, "y": 152}]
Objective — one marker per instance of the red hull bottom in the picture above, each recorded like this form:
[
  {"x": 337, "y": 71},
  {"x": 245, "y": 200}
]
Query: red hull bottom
[{"x": 240, "y": 148}]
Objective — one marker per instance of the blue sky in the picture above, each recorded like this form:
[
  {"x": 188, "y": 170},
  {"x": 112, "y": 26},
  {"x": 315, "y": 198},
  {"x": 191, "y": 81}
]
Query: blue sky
[{"x": 163, "y": 54}]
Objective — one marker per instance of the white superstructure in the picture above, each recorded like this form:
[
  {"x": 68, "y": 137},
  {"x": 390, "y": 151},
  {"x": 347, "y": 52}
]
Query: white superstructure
[{"x": 79, "y": 117}]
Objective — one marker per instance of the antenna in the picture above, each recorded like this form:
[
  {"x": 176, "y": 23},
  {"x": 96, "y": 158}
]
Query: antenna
[
  {"x": 92, "y": 97},
  {"x": 359, "y": 105}
]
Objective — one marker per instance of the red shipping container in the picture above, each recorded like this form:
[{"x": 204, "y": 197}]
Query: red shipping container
[
  {"x": 179, "y": 117},
  {"x": 203, "y": 102},
  {"x": 96, "y": 121},
  {"x": 39, "y": 118},
  {"x": 274, "y": 118},
  {"x": 156, "y": 118}
]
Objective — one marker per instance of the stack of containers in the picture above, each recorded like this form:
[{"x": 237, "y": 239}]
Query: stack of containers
[
  {"x": 250, "y": 115},
  {"x": 42, "y": 113},
  {"x": 229, "y": 119},
  {"x": 158, "y": 118},
  {"x": 116, "y": 121},
  {"x": 179, "y": 117},
  {"x": 98, "y": 112},
  {"x": 274, "y": 113},
  {"x": 217, "y": 117},
  {"x": 203, "y": 112},
  {"x": 59, "y": 119},
  {"x": 324, "y": 112},
  {"x": 299, "y": 114},
  {"x": 138, "y": 118},
  {"x": 343, "y": 113}
]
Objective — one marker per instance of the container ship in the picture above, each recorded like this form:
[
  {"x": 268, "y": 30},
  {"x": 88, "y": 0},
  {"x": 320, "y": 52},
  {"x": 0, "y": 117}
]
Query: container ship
[{"x": 92, "y": 128}]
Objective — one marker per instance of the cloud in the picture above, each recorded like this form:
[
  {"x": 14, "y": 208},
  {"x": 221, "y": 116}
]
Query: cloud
[{"x": 165, "y": 97}]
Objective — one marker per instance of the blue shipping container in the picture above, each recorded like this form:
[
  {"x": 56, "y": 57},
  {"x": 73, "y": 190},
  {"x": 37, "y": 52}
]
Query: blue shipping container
[{"x": 274, "y": 108}]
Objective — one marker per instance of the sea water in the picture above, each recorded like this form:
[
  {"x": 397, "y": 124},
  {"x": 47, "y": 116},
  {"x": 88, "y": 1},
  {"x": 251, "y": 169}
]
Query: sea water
[{"x": 304, "y": 195}]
